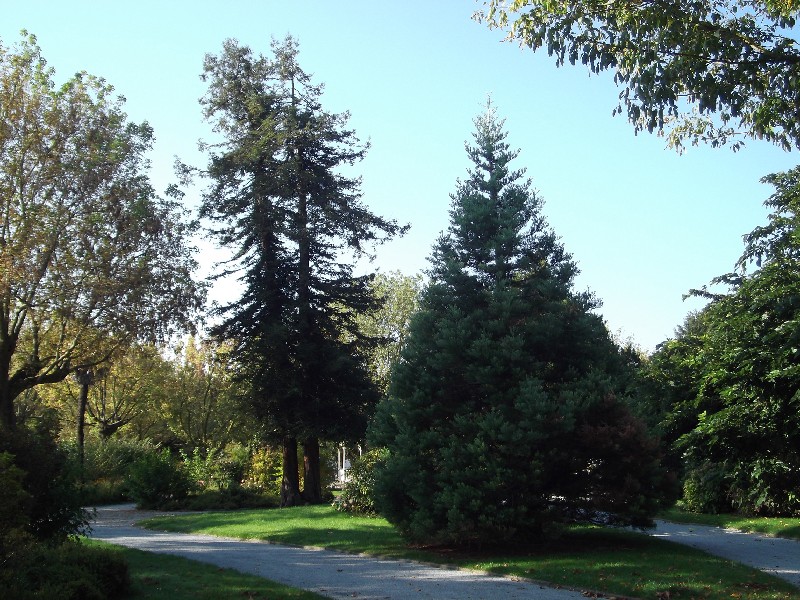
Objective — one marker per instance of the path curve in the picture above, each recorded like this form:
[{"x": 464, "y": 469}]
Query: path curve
[
  {"x": 332, "y": 574},
  {"x": 340, "y": 575},
  {"x": 776, "y": 556}
]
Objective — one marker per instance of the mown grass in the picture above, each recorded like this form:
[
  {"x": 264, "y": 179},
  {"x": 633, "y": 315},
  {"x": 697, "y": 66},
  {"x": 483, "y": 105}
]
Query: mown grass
[
  {"x": 787, "y": 527},
  {"x": 164, "y": 577},
  {"x": 587, "y": 558}
]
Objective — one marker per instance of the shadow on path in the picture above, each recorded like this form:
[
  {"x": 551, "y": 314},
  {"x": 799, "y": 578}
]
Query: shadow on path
[{"x": 332, "y": 574}]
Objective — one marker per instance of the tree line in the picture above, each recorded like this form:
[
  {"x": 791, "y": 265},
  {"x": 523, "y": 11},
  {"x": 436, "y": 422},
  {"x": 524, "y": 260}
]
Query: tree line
[{"x": 505, "y": 406}]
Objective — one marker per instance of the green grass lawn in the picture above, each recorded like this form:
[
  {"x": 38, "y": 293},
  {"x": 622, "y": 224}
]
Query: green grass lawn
[
  {"x": 587, "y": 558},
  {"x": 778, "y": 526},
  {"x": 164, "y": 577}
]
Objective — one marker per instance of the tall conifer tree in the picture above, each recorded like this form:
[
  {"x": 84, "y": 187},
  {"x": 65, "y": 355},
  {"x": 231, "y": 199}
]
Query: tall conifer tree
[
  {"x": 504, "y": 415},
  {"x": 279, "y": 199}
]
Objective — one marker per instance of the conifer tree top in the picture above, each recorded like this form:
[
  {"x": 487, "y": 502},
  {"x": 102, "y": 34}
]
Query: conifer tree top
[{"x": 497, "y": 230}]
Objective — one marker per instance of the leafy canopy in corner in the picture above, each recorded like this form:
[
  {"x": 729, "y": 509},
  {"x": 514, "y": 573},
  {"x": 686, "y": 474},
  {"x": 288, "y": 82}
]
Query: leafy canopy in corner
[{"x": 708, "y": 70}]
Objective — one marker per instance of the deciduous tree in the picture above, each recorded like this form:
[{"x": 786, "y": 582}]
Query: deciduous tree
[
  {"x": 398, "y": 296},
  {"x": 739, "y": 377},
  {"x": 90, "y": 257},
  {"x": 715, "y": 71}
]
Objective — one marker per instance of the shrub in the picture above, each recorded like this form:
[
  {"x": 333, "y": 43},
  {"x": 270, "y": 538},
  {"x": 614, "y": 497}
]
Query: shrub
[
  {"x": 231, "y": 498},
  {"x": 264, "y": 472},
  {"x": 705, "y": 490},
  {"x": 766, "y": 486},
  {"x": 217, "y": 469},
  {"x": 53, "y": 510},
  {"x": 13, "y": 498},
  {"x": 156, "y": 480},
  {"x": 105, "y": 467},
  {"x": 68, "y": 571},
  {"x": 358, "y": 493}
]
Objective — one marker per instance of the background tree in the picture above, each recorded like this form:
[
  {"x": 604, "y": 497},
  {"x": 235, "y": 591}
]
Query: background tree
[
  {"x": 738, "y": 375},
  {"x": 200, "y": 406},
  {"x": 398, "y": 295},
  {"x": 506, "y": 412},
  {"x": 131, "y": 388},
  {"x": 90, "y": 257},
  {"x": 706, "y": 71},
  {"x": 278, "y": 197}
]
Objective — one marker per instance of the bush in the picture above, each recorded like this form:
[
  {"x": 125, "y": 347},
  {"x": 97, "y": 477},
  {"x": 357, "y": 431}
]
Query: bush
[
  {"x": 264, "y": 472},
  {"x": 105, "y": 467},
  {"x": 358, "y": 493},
  {"x": 767, "y": 487},
  {"x": 68, "y": 571},
  {"x": 157, "y": 481},
  {"x": 13, "y": 499},
  {"x": 705, "y": 490},
  {"x": 217, "y": 469},
  {"x": 53, "y": 509}
]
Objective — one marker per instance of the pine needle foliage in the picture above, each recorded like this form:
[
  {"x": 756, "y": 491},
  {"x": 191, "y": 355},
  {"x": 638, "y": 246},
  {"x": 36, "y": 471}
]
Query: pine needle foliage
[{"x": 506, "y": 414}]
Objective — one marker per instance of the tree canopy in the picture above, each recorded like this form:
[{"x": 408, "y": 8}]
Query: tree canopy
[
  {"x": 715, "y": 71},
  {"x": 734, "y": 375},
  {"x": 505, "y": 413},
  {"x": 90, "y": 256}
]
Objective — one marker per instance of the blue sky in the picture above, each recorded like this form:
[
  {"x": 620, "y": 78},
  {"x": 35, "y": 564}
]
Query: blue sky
[{"x": 644, "y": 224}]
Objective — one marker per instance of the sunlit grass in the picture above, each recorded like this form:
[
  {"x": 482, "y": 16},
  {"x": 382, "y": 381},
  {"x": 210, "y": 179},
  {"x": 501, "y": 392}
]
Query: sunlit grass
[
  {"x": 587, "y": 558},
  {"x": 164, "y": 577},
  {"x": 787, "y": 527}
]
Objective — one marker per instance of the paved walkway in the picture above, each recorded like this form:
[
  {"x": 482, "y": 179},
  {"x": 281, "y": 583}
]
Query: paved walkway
[
  {"x": 776, "y": 556},
  {"x": 332, "y": 574},
  {"x": 339, "y": 575}
]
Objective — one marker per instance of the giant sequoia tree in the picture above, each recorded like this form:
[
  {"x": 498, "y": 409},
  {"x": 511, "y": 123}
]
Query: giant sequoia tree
[
  {"x": 278, "y": 197},
  {"x": 505, "y": 413},
  {"x": 90, "y": 257}
]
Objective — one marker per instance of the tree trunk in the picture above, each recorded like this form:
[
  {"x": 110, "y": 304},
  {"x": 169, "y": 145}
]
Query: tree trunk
[
  {"x": 7, "y": 419},
  {"x": 312, "y": 481},
  {"x": 290, "y": 484},
  {"x": 84, "y": 378}
]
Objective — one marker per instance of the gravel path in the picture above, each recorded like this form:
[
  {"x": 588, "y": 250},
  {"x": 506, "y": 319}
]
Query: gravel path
[
  {"x": 776, "y": 556},
  {"x": 328, "y": 573},
  {"x": 339, "y": 575}
]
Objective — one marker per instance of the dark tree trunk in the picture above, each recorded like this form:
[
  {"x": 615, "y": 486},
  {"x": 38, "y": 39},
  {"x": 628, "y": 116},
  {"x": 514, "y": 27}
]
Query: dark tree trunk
[
  {"x": 290, "y": 484},
  {"x": 312, "y": 481},
  {"x": 7, "y": 420},
  {"x": 85, "y": 379}
]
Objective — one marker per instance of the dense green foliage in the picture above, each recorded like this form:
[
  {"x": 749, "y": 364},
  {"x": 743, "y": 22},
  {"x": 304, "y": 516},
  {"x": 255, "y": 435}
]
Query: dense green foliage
[
  {"x": 51, "y": 509},
  {"x": 69, "y": 571},
  {"x": 398, "y": 299},
  {"x": 39, "y": 512},
  {"x": 358, "y": 493},
  {"x": 707, "y": 70},
  {"x": 732, "y": 378},
  {"x": 294, "y": 221},
  {"x": 157, "y": 480},
  {"x": 506, "y": 413}
]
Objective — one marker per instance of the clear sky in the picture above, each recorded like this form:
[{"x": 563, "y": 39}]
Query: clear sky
[{"x": 644, "y": 224}]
